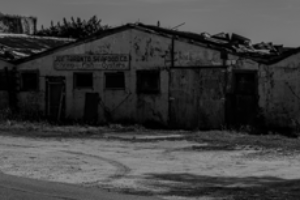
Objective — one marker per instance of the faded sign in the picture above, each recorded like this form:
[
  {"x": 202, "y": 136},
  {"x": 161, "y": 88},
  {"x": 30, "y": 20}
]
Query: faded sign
[{"x": 91, "y": 62}]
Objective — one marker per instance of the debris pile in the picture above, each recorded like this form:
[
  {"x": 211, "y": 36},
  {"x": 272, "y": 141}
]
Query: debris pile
[
  {"x": 243, "y": 45},
  {"x": 234, "y": 43}
]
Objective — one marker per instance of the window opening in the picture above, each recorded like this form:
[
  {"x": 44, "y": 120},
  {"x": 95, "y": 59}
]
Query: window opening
[{"x": 148, "y": 82}]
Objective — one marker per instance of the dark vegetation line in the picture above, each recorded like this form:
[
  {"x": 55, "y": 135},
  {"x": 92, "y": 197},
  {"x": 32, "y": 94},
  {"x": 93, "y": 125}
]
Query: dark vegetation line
[{"x": 75, "y": 28}]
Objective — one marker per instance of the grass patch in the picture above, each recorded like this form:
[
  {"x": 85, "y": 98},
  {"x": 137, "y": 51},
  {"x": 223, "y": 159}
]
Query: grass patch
[
  {"x": 11, "y": 124},
  {"x": 44, "y": 128},
  {"x": 232, "y": 138}
]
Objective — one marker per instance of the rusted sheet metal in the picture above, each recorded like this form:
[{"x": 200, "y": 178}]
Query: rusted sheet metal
[{"x": 197, "y": 98}]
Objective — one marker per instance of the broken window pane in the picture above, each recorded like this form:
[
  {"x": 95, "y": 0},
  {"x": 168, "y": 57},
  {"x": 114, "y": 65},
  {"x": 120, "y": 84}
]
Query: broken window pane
[
  {"x": 83, "y": 80},
  {"x": 114, "y": 80},
  {"x": 30, "y": 81},
  {"x": 148, "y": 82}
]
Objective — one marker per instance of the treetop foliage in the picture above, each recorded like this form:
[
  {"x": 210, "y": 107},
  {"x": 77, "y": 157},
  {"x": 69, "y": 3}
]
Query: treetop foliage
[{"x": 73, "y": 28}]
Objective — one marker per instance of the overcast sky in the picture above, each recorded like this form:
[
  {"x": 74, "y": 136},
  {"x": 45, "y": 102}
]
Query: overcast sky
[{"x": 277, "y": 21}]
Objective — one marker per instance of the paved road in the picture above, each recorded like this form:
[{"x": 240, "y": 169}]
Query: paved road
[{"x": 18, "y": 188}]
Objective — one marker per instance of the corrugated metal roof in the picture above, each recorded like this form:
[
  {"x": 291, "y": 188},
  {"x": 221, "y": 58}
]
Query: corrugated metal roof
[
  {"x": 75, "y": 43},
  {"x": 16, "y": 46}
]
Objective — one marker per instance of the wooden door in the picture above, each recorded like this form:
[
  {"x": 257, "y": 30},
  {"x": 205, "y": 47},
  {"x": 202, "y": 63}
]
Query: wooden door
[
  {"x": 245, "y": 98},
  {"x": 55, "y": 103},
  {"x": 91, "y": 107},
  {"x": 197, "y": 98}
]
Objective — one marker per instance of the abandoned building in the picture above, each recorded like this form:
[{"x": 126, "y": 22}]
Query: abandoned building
[{"x": 138, "y": 73}]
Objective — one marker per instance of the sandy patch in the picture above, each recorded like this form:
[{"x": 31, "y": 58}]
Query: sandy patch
[{"x": 155, "y": 167}]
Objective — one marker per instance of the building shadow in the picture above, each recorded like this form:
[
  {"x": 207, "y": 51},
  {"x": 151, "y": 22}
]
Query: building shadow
[{"x": 266, "y": 188}]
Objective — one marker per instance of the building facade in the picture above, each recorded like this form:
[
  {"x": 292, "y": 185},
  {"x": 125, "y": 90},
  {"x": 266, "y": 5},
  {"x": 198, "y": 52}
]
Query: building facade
[{"x": 134, "y": 74}]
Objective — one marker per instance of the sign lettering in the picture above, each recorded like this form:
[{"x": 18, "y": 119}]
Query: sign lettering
[{"x": 91, "y": 62}]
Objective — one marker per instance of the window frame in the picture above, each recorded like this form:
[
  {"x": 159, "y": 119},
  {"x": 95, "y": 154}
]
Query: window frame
[
  {"x": 75, "y": 78},
  {"x": 37, "y": 76},
  {"x": 139, "y": 78},
  {"x": 107, "y": 74}
]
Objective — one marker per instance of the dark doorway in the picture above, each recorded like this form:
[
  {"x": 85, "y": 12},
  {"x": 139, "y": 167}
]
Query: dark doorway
[
  {"x": 244, "y": 100},
  {"x": 55, "y": 97},
  {"x": 91, "y": 107}
]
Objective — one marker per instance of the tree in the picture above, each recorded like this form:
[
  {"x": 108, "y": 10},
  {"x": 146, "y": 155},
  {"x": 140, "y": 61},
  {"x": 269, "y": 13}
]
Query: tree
[{"x": 74, "y": 28}]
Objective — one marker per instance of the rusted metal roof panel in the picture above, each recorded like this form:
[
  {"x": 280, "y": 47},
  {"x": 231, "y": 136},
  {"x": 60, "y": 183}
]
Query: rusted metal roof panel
[{"x": 16, "y": 46}]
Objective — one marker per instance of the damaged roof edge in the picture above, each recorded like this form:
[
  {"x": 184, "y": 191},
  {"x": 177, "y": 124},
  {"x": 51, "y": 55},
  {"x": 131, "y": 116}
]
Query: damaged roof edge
[
  {"x": 282, "y": 57},
  {"x": 205, "y": 44},
  {"x": 164, "y": 33}
]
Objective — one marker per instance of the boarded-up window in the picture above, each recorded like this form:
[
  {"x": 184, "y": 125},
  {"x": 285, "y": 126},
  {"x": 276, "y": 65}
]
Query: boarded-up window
[
  {"x": 83, "y": 80},
  {"x": 114, "y": 80},
  {"x": 30, "y": 81},
  {"x": 148, "y": 82},
  {"x": 3, "y": 81}
]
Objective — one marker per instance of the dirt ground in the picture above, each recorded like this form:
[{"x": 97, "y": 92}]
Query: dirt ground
[{"x": 171, "y": 165}]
